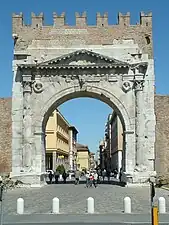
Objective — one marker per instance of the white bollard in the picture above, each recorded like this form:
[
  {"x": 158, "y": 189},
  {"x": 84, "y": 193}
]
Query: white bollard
[
  {"x": 20, "y": 206},
  {"x": 127, "y": 205},
  {"x": 90, "y": 205},
  {"x": 162, "y": 205},
  {"x": 60, "y": 176},
  {"x": 55, "y": 205}
]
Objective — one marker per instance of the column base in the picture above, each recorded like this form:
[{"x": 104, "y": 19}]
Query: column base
[
  {"x": 137, "y": 178},
  {"x": 30, "y": 179}
]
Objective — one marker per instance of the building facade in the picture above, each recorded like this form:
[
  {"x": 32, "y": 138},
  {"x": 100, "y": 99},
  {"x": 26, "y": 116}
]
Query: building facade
[
  {"x": 72, "y": 148},
  {"x": 60, "y": 142},
  {"x": 57, "y": 141},
  {"x": 83, "y": 157},
  {"x": 116, "y": 142}
]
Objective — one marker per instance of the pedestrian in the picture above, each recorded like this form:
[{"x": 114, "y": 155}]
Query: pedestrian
[
  {"x": 120, "y": 175},
  {"x": 95, "y": 178},
  {"x": 77, "y": 176},
  {"x": 64, "y": 176},
  {"x": 56, "y": 176},
  {"x": 50, "y": 177},
  {"x": 87, "y": 179}
]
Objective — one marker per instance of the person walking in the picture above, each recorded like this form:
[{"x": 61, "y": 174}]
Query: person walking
[
  {"x": 50, "y": 177},
  {"x": 95, "y": 178},
  {"x": 64, "y": 176},
  {"x": 77, "y": 176},
  {"x": 56, "y": 176},
  {"x": 87, "y": 179}
]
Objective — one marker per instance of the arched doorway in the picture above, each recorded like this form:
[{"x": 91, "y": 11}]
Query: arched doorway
[{"x": 82, "y": 73}]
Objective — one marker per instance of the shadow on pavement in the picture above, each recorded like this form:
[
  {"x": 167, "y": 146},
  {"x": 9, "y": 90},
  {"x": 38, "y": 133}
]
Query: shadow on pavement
[{"x": 106, "y": 182}]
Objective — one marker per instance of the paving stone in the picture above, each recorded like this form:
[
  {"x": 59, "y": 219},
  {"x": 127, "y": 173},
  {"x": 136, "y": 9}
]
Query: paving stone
[{"x": 108, "y": 198}]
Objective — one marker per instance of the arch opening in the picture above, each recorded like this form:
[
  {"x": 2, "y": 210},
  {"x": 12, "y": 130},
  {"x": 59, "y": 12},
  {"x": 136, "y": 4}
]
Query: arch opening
[{"x": 58, "y": 99}]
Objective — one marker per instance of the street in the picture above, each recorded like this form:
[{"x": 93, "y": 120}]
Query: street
[
  {"x": 115, "y": 219},
  {"x": 108, "y": 198}
]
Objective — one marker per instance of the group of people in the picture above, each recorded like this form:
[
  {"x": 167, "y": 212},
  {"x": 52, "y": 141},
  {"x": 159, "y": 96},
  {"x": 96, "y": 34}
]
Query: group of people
[{"x": 92, "y": 177}]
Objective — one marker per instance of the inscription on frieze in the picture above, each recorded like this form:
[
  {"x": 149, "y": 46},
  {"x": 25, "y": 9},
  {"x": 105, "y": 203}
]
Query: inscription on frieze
[{"x": 69, "y": 31}]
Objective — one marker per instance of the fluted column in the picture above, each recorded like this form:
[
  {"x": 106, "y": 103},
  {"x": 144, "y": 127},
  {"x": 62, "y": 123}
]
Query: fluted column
[
  {"x": 139, "y": 102},
  {"x": 27, "y": 124}
]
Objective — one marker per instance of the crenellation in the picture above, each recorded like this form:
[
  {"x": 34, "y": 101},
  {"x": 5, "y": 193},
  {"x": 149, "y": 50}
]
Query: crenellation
[
  {"x": 81, "y": 20},
  {"x": 102, "y": 21},
  {"x": 62, "y": 33},
  {"x": 124, "y": 19},
  {"x": 59, "y": 21},
  {"x": 146, "y": 19},
  {"x": 17, "y": 21},
  {"x": 37, "y": 20}
]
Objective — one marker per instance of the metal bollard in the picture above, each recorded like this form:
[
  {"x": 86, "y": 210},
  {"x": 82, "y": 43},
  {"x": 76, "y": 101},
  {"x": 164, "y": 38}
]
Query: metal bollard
[
  {"x": 162, "y": 205},
  {"x": 90, "y": 205},
  {"x": 70, "y": 176},
  {"x": 127, "y": 205},
  {"x": 20, "y": 206},
  {"x": 55, "y": 205}
]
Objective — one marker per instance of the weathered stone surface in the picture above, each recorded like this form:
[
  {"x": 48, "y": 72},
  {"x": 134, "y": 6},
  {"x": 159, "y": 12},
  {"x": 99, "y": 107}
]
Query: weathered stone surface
[
  {"x": 5, "y": 135},
  {"x": 83, "y": 61},
  {"x": 162, "y": 135}
]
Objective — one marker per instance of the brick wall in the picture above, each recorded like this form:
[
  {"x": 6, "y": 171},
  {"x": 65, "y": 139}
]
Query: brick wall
[
  {"x": 162, "y": 134},
  {"x": 5, "y": 134}
]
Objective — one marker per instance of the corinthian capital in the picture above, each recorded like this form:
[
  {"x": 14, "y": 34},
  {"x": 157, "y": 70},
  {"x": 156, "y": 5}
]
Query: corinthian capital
[
  {"x": 138, "y": 85},
  {"x": 27, "y": 86}
]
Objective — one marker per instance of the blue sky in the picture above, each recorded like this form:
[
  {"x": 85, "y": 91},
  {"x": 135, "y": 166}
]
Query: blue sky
[{"x": 88, "y": 115}]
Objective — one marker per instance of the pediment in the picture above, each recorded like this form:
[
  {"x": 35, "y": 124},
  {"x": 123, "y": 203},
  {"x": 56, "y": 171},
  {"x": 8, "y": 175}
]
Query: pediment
[{"x": 82, "y": 57}]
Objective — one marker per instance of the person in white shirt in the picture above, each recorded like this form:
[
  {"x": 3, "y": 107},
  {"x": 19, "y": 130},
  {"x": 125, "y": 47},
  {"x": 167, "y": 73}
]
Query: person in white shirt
[
  {"x": 87, "y": 179},
  {"x": 95, "y": 179}
]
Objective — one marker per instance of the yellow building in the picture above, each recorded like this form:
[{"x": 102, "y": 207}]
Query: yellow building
[
  {"x": 116, "y": 142},
  {"x": 83, "y": 157},
  {"x": 57, "y": 141}
]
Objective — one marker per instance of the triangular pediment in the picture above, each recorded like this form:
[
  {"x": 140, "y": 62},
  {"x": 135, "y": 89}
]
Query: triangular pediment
[{"x": 82, "y": 57}]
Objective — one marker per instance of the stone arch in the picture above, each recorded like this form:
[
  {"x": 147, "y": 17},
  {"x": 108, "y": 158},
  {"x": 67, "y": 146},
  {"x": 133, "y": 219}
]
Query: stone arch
[{"x": 102, "y": 94}]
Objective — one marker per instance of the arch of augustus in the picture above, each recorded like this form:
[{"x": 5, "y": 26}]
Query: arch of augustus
[{"x": 53, "y": 64}]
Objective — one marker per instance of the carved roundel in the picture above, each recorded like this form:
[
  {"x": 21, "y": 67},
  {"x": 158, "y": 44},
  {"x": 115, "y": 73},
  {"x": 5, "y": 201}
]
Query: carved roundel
[
  {"x": 38, "y": 86},
  {"x": 126, "y": 86}
]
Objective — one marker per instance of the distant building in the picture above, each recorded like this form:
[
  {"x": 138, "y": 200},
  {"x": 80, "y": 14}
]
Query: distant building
[
  {"x": 83, "y": 157},
  {"x": 72, "y": 148},
  {"x": 113, "y": 144},
  {"x": 60, "y": 142},
  {"x": 116, "y": 142},
  {"x": 92, "y": 160}
]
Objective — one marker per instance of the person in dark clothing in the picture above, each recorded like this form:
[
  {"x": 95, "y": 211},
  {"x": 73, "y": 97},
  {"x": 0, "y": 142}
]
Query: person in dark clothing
[
  {"x": 108, "y": 175},
  {"x": 64, "y": 176},
  {"x": 56, "y": 177},
  {"x": 120, "y": 175},
  {"x": 50, "y": 177}
]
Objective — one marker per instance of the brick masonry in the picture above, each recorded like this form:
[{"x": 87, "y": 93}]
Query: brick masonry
[
  {"x": 5, "y": 134},
  {"x": 162, "y": 134}
]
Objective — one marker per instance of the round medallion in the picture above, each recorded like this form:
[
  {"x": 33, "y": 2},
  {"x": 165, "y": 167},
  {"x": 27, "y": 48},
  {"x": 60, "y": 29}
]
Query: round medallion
[
  {"x": 126, "y": 86},
  {"x": 38, "y": 86}
]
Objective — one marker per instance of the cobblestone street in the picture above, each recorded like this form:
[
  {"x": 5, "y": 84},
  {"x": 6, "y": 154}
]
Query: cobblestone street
[{"x": 108, "y": 198}]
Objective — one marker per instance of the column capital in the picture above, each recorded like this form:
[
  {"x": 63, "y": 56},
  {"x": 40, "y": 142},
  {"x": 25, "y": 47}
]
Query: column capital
[
  {"x": 138, "y": 85},
  {"x": 27, "y": 86}
]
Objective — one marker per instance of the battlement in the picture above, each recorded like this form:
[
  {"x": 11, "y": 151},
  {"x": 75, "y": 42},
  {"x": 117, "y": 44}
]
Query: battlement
[{"x": 81, "y": 20}]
